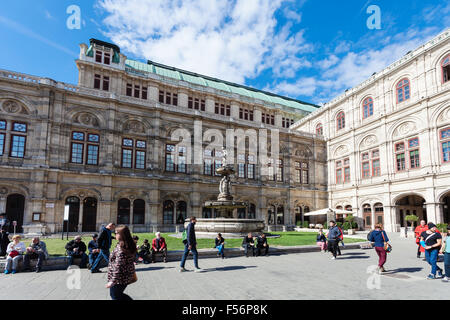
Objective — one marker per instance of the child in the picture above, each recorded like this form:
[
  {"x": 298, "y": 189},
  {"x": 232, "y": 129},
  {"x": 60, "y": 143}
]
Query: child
[{"x": 322, "y": 240}]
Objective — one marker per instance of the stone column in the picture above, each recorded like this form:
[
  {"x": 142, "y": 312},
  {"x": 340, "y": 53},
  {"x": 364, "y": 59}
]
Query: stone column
[
  {"x": 80, "y": 219},
  {"x": 235, "y": 110},
  {"x": 182, "y": 99},
  {"x": 372, "y": 209},
  {"x": 433, "y": 212},
  {"x": 153, "y": 93},
  {"x": 2, "y": 204},
  {"x": 210, "y": 104},
  {"x": 390, "y": 218}
]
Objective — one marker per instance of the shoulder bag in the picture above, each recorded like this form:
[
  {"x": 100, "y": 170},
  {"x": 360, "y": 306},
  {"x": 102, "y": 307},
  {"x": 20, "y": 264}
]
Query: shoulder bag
[{"x": 387, "y": 246}]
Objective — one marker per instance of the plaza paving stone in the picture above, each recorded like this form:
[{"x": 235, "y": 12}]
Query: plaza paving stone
[{"x": 286, "y": 276}]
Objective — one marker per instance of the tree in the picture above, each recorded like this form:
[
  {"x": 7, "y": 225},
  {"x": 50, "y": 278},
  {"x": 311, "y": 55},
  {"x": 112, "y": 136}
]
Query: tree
[
  {"x": 350, "y": 218},
  {"x": 410, "y": 218}
]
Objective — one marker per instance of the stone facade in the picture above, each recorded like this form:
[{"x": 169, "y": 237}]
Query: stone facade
[
  {"x": 66, "y": 124},
  {"x": 402, "y": 127}
]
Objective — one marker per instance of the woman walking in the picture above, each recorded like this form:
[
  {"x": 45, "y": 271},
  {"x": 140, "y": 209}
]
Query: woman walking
[
  {"x": 121, "y": 270},
  {"x": 445, "y": 249},
  {"x": 380, "y": 238}
]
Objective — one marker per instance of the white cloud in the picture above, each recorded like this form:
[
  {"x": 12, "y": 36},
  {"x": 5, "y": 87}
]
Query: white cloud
[
  {"x": 232, "y": 40},
  {"x": 328, "y": 62}
]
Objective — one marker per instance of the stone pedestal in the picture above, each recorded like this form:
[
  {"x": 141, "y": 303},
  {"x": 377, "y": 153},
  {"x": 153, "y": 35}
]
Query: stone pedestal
[{"x": 37, "y": 229}]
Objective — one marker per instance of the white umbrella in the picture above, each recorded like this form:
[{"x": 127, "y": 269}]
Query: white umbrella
[{"x": 327, "y": 211}]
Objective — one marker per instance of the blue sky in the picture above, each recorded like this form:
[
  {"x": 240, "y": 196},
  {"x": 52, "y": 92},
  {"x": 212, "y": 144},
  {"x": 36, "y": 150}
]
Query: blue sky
[{"x": 306, "y": 49}]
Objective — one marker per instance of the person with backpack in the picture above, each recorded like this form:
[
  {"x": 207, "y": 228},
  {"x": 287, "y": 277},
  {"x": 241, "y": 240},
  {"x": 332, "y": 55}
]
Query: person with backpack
[
  {"x": 380, "y": 241},
  {"x": 219, "y": 244},
  {"x": 433, "y": 242},
  {"x": 334, "y": 235},
  {"x": 190, "y": 244},
  {"x": 341, "y": 239}
]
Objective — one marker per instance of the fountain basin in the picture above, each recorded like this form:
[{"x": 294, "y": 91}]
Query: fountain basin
[{"x": 230, "y": 227}]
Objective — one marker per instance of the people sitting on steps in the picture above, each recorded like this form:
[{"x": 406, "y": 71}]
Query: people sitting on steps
[
  {"x": 36, "y": 250},
  {"x": 262, "y": 245},
  {"x": 248, "y": 244},
  {"x": 159, "y": 246},
  {"x": 76, "y": 248}
]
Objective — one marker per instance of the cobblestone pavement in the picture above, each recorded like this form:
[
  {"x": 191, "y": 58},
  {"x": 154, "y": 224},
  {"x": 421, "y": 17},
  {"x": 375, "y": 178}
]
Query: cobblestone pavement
[{"x": 288, "y": 276}]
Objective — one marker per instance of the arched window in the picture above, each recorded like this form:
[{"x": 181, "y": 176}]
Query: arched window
[
  {"x": 339, "y": 207},
  {"x": 139, "y": 211},
  {"x": 348, "y": 208},
  {"x": 367, "y": 107},
  {"x": 181, "y": 212},
  {"x": 123, "y": 211},
  {"x": 340, "y": 120},
  {"x": 403, "y": 90},
  {"x": 271, "y": 215},
  {"x": 251, "y": 211},
  {"x": 168, "y": 208},
  {"x": 319, "y": 129},
  {"x": 241, "y": 213},
  {"x": 446, "y": 69}
]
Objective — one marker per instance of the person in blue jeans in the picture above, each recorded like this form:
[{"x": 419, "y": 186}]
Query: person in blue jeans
[
  {"x": 93, "y": 250},
  {"x": 445, "y": 249},
  {"x": 220, "y": 245},
  {"x": 433, "y": 242},
  {"x": 190, "y": 244},
  {"x": 104, "y": 244}
]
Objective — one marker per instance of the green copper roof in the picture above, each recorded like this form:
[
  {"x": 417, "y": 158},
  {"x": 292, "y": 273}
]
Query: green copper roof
[{"x": 197, "y": 79}]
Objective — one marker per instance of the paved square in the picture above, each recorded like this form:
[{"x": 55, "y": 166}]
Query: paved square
[{"x": 289, "y": 276}]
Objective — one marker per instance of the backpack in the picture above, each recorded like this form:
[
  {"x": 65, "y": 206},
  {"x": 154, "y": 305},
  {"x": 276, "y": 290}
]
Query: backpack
[
  {"x": 369, "y": 235},
  {"x": 342, "y": 234},
  {"x": 184, "y": 237}
]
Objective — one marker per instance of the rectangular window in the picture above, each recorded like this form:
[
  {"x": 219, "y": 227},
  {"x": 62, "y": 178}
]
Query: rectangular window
[
  {"x": 140, "y": 159},
  {"x": 77, "y": 153},
  {"x": 92, "y": 154},
  {"x": 2, "y": 143},
  {"x": 414, "y": 159},
  {"x": 170, "y": 164},
  {"x": 217, "y": 165},
  {"x": 376, "y": 171},
  {"x": 365, "y": 170},
  {"x": 94, "y": 138},
  {"x": 207, "y": 167},
  {"x": 190, "y": 103},
  {"x": 272, "y": 120},
  {"x": 98, "y": 56},
  {"x": 400, "y": 158},
  {"x": 127, "y": 158},
  {"x": 305, "y": 173},
  {"x": 446, "y": 151},
  {"x": 18, "y": 146},
  {"x": 181, "y": 164},
  {"x": 2, "y": 125},
  {"x": 251, "y": 171},
  {"x": 107, "y": 58},
  {"x": 97, "y": 81},
  {"x": 241, "y": 170},
  {"x": 129, "y": 90},
  {"x": 161, "y": 96},
  {"x": 280, "y": 170},
  {"x": 137, "y": 91},
  {"x": 144, "y": 93},
  {"x": 168, "y": 98},
  {"x": 338, "y": 176},
  {"x": 106, "y": 83},
  {"x": 202, "y": 105},
  {"x": 196, "y": 104},
  {"x": 216, "y": 108},
  {"x": 346, "y": 174},
  {"x": 175, "y": 99},
  {"x": 19, "y": 127}
]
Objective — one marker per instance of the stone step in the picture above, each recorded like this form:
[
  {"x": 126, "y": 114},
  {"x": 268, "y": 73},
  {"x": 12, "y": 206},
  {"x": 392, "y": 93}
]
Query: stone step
[{"x": 60, "y": 263}]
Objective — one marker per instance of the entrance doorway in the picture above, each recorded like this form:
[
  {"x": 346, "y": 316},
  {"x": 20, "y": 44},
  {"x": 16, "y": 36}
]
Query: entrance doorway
[
  {"x": 89, "y": 214},
  {"x": 15, "y": 206},
  {"x": 410, "y": 205},
  {"x": 74, "y": 213},
  {"x": 446, "y": 208}
]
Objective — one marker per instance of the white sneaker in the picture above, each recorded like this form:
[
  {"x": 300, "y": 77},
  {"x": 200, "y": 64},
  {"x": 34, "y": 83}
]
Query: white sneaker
[
  {"x": 445, "y": 279},
  {"x": 182, "y": 270},
  {"x": 333, "y": 258},
  {"x": 198, "y": 270}
]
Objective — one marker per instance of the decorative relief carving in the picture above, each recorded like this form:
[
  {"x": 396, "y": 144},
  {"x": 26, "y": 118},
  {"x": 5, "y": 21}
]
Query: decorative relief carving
[
  {"x": 445, "y": 116},
  {"x": 369, "y": 141},
  {"x": 87, "y": 120},
  {"x": 13, "y": 107},
  {"x": 341, "y": 150},
  {"x": 3, "y": 190},
  {"x": 303, "y": 153},
  {"x": 134, "y": 127},
  {"x": 404, "y": 129}
]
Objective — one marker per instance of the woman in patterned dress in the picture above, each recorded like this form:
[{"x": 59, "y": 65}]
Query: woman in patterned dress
[{"x": 121, "y": 271}]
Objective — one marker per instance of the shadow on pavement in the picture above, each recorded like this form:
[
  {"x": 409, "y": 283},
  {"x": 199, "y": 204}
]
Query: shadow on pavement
[
  {"x": 152, "y": 268},
  {"x": 410, "y": 270},
  {"x": 353, "y": 254},
  {"x": 352, "y": 257},
  {"x": 229, "y": 268}
]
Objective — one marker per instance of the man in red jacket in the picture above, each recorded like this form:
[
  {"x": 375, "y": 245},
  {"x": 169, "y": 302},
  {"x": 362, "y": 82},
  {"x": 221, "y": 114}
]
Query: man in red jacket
[
  {"x": 418, "y": 231},
  {"x": 159, "y": 246}
]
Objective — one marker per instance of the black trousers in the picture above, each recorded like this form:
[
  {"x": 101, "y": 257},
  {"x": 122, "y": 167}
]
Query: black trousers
[
  {"x": 260, "y": 248},
  {"x": 333, "y": 247},
  {"x": 163, "y": 253},
  {"x": 117, "y": 292},
  {"x": 246, "y": 247}
]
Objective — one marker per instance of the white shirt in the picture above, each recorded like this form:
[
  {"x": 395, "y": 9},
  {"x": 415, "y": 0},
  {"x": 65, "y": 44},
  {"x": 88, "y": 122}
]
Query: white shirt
[{"x": 20, "y": 247}]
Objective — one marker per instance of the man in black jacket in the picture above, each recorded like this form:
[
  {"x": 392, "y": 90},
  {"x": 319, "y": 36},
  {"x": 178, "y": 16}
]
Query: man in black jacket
[
  {"x": 104, "y": 244},
  {"x": 4, "y": 241},
  {"x": 190, "y": 244},
  {"x": 93, "y": 250},
  {"x": 333, "y": 238},
  {"x": 77, "y": 249},
  {"x": 248, "y": 243},
  {"x": 262, "y": 245}
]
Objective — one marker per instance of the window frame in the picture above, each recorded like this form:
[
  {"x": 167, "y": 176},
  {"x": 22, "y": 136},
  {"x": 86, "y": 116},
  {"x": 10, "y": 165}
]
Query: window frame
[
  {"x": 24, "y": 145},
  {"x": 403, "y": 86},
  {"x": 368, "y": 104},
  {"x": 445, "y": 65},
  {"x": 442, "y": 141},
  {"x": 340, "y": 120}
]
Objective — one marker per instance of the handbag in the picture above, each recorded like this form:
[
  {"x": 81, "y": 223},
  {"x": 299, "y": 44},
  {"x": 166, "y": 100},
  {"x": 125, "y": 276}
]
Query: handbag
[
  {"x": 14, "y": 253},
  {"x": 134, "y": 278},
  {"x": 387, "y": 246}
]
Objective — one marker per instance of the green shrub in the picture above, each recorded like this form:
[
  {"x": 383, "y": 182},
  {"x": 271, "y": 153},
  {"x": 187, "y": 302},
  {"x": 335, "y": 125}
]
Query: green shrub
[
  {"x": 339, "y": 224},
  {"x": 298, "y": 224},
  {"x": 346, "y": 226},
  {"x": 354, "y": 225},
  {"x": 442, "y": 227},
  {"x": 305, "y": 224},
  {"x": 325, "y": 225}
]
